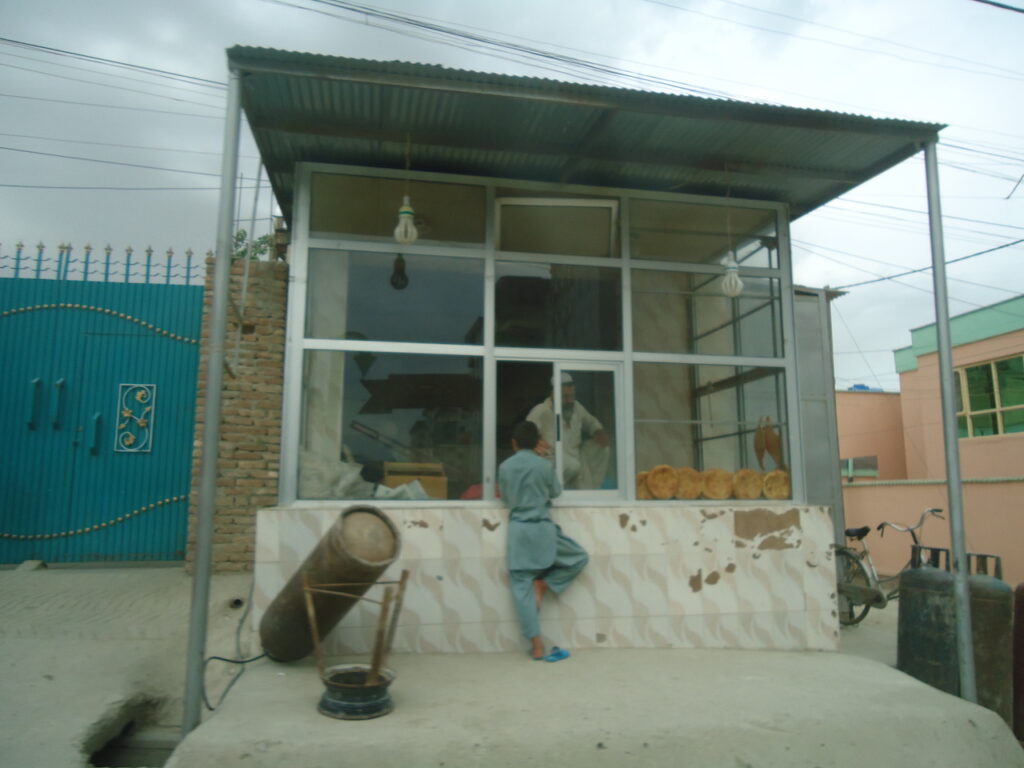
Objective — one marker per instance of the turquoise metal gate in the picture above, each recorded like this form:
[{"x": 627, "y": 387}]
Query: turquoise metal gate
[{"x": 98, "y": 385}]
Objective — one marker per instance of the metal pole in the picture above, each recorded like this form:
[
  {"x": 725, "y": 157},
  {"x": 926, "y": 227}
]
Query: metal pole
[
  {"x": 212, "y": 415},
  {"x": 962, "y": 602}
]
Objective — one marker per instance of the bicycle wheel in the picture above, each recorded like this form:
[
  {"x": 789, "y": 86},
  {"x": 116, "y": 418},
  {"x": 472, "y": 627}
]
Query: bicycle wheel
[{"x": 850, "y": 571}]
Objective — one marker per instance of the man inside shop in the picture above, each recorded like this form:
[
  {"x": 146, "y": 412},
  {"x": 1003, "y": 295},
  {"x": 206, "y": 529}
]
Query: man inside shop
[{"x": 585, "y": 441}]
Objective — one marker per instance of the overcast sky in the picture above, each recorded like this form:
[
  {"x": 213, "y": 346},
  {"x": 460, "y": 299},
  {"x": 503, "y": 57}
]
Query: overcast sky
[{"x": 957, "y": 62}]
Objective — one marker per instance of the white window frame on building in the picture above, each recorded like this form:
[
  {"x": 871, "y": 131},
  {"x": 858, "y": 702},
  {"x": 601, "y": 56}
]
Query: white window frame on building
[{"x": 621, "y": 361}]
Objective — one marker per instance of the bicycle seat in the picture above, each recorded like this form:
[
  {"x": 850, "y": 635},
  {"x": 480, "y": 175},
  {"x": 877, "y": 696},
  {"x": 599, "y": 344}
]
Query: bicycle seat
[{"x": 858, "y": 533}]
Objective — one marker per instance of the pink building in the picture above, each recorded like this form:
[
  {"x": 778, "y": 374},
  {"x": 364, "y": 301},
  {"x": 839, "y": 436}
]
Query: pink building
[{"x": 892, "y": 447}]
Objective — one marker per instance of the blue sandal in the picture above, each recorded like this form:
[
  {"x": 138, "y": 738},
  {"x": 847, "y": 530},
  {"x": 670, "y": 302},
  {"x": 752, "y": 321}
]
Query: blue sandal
[{"x": 557, "y": 654}]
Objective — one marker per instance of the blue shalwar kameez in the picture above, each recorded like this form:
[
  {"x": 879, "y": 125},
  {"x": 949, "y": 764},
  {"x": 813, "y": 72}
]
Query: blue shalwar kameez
[{"x": 536, "y": 548}]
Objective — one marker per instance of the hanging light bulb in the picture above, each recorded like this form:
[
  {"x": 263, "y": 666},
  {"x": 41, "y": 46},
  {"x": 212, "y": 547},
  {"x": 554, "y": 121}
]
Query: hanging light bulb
[
  {"x": 405, "y": 230},
  {"x": 399, "y": 280},
  {"x": 732, "y": 286}
]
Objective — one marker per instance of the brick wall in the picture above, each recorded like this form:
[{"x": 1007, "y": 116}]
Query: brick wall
[{"x": 250, "y": 436}]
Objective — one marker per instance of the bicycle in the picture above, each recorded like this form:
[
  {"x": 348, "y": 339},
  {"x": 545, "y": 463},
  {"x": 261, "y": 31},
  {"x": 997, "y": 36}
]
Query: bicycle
[{"x": 859, "y": 585}]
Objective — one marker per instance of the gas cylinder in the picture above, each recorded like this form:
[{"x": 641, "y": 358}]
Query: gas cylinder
[
  {"x": 926, "y": 633},
  {"x": 1018, "y": 662},
  {"x": 992, "y": 629}
]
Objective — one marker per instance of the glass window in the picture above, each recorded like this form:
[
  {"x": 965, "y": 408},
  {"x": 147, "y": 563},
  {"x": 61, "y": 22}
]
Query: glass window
[
  {"x": 984, "y": 424},
  {"x": 1010, "y": 374},
  {"x": 681, "y": 312},
  {"x": 702, "y": 234},
  {"x": 390, "y": 425},
  {"x": 1013, "y": 421},
  {"x": 979, "y": 387},
  {"x": 995, "y": 398},
  {"x": 710, "y": 417},
  {"x": 557, "y": 306},
  {"x": 353, "y": 295},
  {"x": 558, "y": 226},
  {"x": 368, "y": 207}
]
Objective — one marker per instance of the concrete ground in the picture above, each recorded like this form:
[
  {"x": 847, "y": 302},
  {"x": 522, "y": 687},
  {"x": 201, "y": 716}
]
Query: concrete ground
[{"x": 84, "y": 652}]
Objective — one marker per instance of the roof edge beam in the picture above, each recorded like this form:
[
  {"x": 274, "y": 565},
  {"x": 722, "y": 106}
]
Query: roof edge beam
[{"x": 640, "y": 101}]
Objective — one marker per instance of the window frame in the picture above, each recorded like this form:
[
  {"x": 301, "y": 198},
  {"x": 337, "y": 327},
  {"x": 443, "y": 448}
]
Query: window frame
[
  {"x": 998, "y": 410},
  {"x": 303, "y": 240}
]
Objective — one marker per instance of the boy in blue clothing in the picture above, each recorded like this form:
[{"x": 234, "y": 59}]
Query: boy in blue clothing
[{"x": 538, "y": 555}]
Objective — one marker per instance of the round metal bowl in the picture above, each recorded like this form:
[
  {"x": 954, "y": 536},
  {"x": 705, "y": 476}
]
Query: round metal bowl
[{"x": 349, "y": 697}]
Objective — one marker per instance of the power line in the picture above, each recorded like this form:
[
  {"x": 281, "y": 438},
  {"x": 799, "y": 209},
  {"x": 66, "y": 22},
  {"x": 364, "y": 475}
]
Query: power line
[
  {"x": 111, "y": 106},
  {"x": 109, "y": 162},
  {"x": 942, "y": 54},
  {"x": 119, "y": 146},
  {"x": 108, "y": 85},
  {"x": 925, "y": 213},
  {"x": 114, "y": 63},
  {"x": 172, "y": 85},
  {"x": 832, "y": 42},
  {"x": 448, "y": 33},
  {"x": 121, "y": 189},
  {"x": 809, "y": 248},
  {"x": 925, "y": 269},
  {"x": 1004, "y": 6}
]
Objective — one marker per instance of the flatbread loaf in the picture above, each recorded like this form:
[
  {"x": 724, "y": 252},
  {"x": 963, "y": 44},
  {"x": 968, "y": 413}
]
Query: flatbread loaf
[
  {"x": 642, "y": 491},
  {"x": 690, "y": 483},
  {"x": 662, "y": 481},
  {"x": 747, "y": 484},
  {"x": 717, "y": 484},
  {"x": 776, "y": 484}
]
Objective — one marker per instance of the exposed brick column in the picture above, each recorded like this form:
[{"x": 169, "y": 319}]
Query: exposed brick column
[{"x": 250, "y": 437}]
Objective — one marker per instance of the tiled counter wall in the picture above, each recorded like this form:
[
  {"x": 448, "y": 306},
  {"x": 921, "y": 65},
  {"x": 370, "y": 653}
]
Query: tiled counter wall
[{"x": 673, "y": 576}]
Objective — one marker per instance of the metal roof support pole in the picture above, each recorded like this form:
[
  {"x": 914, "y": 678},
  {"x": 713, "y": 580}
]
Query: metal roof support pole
[
  {"x": 962, "y": 603},
  {"x": 215, "y": 359}
]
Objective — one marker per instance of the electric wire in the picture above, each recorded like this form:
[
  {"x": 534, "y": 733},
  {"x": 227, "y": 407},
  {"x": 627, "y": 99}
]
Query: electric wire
[
  {"x": 118, "y": 145},
  {"x": 890, "y": 54},
  {"x": 111, "y": 106},
  {"x": 925, "y": 269},
  {"x": 110, "y": 85},
  {"x": 839, "y": 314},
  {"x": 109, "y": 162},
  {"x": 114, "y": 63},
  {"x": 151, "y": 83},
  {"x": 925, "y": 213},
  {"x": 802, "y": 20}
]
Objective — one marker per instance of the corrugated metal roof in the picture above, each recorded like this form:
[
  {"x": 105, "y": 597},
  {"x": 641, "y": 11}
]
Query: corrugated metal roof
[{"x": 308, "y": 107}]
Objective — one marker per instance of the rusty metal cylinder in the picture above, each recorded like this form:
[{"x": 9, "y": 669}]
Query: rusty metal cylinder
[
  {"x": 992, "y": 627},
  {"x": 355, "y": 551}
]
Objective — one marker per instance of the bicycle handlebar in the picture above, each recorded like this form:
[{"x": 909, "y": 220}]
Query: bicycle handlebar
[{"x": 911, "y": 528}]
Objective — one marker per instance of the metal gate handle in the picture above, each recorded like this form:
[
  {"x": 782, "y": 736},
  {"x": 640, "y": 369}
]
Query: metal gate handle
[
  {"x": 94, "y": 439},
  {"x": 59, "y": 401},
  {"x": 37, "y": 385}
]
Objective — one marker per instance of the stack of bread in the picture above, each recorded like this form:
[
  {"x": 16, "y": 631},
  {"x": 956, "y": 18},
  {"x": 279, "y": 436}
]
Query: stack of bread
[{"x": 667, "y": 482}]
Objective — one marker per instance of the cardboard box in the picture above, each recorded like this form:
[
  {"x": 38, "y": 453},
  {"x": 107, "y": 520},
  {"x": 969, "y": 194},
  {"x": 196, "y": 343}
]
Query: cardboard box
[{"x": 431, "y": 476}]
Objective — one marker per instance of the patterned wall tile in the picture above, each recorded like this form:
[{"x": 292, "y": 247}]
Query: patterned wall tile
[
  {"x": 819, "y": 580},
  {"x": 462, "y": 591},
  {"x": 268, "y": 536},
  {"x": 701, "y": 583},
  {"x": 462, "y": 533},
  {"x": 421, "y": 533},
  {"x": 493, "y": 532},
  {"x": 300, "y": 530},
  {"x": 770, "y": 581},
  {"x": 502, "y": 637},
  {"x": 677, "y": 579},
  {"x": 822, "y": 630},
  {"x": 496, "y": 601}
]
